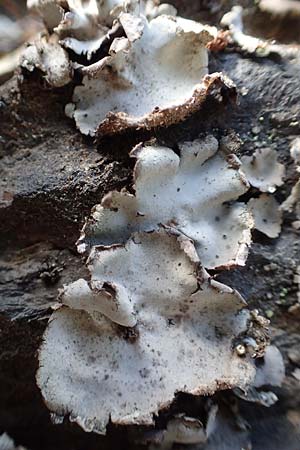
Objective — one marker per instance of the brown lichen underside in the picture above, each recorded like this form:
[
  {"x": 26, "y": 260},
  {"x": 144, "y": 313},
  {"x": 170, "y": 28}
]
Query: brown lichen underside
[{"x": 216, "y": 88}]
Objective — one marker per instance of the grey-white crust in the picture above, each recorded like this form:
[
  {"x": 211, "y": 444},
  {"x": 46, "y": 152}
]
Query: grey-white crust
[{"x": 193, "y": 193}]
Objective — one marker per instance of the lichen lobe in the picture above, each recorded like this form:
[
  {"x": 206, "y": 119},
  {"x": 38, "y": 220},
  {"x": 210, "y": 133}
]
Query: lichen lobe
[{"x": 84, "y": 363}]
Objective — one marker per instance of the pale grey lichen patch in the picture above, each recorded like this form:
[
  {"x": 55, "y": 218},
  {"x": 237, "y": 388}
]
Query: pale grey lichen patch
[
  {"x": 253, "y": 395},
  {"x": 190, "y": 431},
  {"x": 48, "y": 56},
  {"x": 280, "y": 8},
  {"x": 267, "y": 214},
  {"x": 95, "y": 370},
  {"x": 225, "y": 429},
  {"x": 191, "y": 26},
  {"x": 179, "y": 429},
  {"x": 193, "y": 193},
  {"x": 81, "y": 26},
  {"x": 297, "y": 281},
  {"x": 295, "y": 151},
  {"x": 107, "y": 298},
  {"x": 292, "y": 202},
  {"x": 7, "y": 443},
  {"x": 184, "y": 430},
  {"x": 271, "y": 371},
  {"x": 108, "y": 352},
  {"x": 152, "y": 9},
  {"x": 263, "y": 171},
  {"x": 250, "y": 44},
  {"x": 142, "y": 66},
  {"x": 51, "y": 11},
  {"x": 159, "y": 71},
  {"x": 87, "y": 25}
]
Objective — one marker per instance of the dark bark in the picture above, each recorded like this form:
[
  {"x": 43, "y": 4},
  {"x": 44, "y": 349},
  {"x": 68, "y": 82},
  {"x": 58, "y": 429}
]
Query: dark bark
[{"x": 51, "y": 176}]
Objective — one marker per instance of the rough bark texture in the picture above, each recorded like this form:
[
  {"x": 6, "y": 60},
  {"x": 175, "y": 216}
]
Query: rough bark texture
[{"x": 50, "y": 178}]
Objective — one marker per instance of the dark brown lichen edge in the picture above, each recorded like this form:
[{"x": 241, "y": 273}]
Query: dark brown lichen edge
[{"x": 216, "y": 86}]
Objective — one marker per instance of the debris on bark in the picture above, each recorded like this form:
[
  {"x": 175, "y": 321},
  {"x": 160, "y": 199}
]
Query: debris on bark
[{"x": 267, "y": 215}]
